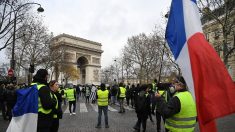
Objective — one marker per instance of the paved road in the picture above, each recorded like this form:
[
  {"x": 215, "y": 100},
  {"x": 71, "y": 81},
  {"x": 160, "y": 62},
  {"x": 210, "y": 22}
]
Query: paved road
[{"x": 86, "y": 119}]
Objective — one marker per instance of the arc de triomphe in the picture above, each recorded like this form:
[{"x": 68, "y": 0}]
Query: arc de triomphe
[{"x": 83, "y": 54}]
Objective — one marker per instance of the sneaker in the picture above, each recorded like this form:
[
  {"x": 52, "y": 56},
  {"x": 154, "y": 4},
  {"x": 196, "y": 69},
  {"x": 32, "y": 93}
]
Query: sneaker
[
  {"x": 97, "y": 126},
  {"x": 106, "y": 126},
  {"x": 74, "y": 113},
  {"x": 70, "y": 114},
  {"x": 136, "y": 129}
]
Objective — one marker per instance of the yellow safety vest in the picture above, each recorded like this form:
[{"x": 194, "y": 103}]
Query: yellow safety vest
[
  {"x": 164, "y": 95},
  {"x": 56, "y": 107},
  {"x": 70, "y": 94},
  {"x": 185, "y": 120},
  {"x": 154, "y": 87},
  {"x": 40, "y": 108},
  {"x": 102, "y": 97},
  {"x": 123, "y": 92}
]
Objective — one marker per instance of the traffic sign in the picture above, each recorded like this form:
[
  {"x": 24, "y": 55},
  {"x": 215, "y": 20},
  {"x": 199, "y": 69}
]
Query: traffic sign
[{"x": 10, "y": 72}]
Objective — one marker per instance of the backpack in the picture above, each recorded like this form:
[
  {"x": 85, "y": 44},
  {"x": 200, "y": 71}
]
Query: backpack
[{"x": 141, "y": 102}]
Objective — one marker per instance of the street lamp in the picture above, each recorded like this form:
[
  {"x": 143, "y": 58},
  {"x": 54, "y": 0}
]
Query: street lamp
[{"x": 15, "y": 10}]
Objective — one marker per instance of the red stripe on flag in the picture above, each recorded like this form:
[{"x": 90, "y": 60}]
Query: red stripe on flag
[{"x": 214, "y": 88}]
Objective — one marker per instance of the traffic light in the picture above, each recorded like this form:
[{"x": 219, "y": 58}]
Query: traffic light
[{"x": 31, "y": 68}]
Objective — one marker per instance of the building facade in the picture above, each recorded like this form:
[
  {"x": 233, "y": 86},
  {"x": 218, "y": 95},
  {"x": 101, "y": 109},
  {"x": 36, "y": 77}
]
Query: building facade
[{"x": 214, "y": 34}]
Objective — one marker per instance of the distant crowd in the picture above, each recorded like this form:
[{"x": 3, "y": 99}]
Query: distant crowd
[{"x": 168, "y": 101}]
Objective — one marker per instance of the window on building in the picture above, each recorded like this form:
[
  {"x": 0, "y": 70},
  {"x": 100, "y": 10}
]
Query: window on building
[{"x": 95, "y": 60}]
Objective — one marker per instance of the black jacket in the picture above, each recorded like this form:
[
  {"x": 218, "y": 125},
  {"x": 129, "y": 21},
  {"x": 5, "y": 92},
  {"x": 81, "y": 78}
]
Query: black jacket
[
  {"x": 170, "y": 108},
  {"x": 143, "y": 108},
  {"x": 59, "y": 111},
  {"x": 46, "y": 100},
  {"x": 10, "y": 97}
]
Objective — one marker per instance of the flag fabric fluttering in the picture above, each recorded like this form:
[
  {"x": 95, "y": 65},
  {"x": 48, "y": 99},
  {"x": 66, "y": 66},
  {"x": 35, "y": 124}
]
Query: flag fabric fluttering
[
  {"x": 25, "y": 111},
  {"x": 206, "y": 75}
]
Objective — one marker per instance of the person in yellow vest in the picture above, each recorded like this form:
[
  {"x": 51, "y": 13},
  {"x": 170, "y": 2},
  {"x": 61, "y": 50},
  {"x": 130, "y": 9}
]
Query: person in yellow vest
[
  {"x": 121, "y": 96},
  {"x": 180, "y": 110},
  {"x": 54, "y": 86},
  {"x": 46, "y": 101},
  {"x": 102, "y": 100},
  {"x": 163, "y": 91},
  {"x": 152, "y": 91},
  {"x": 71, "y": 96}
]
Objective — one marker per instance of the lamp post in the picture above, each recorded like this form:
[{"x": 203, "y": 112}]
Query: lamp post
[{"x": 15, "y": 10}]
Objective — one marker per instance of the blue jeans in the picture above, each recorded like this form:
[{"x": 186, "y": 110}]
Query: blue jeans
[
  {"x": 121, "y": 102},
  {"x": 105, "y": 110}
]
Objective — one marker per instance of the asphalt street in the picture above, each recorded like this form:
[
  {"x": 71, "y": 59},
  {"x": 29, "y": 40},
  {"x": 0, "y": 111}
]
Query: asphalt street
[{"x": 85, "y": 120}]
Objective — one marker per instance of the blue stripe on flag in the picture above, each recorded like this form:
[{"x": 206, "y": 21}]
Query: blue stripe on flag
[
  {"x": 194, "y": 1},
  {"x": 175, "y": 30},
  {"x": 27, "y": 101}
]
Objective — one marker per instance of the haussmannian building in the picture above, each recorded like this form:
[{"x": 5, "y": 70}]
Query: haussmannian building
[{"x": 213, "y": 33}]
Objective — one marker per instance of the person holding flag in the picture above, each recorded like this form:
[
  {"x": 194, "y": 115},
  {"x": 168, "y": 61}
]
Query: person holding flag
[
  {"x": 180, "y": 110},
  {"x": 46, "y": 101},
  {"x": 205, "y": 74},
  {"x": 35, "y": 106}
]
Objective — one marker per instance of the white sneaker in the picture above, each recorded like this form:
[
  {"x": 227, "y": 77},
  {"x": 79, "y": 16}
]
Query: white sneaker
[
  {"x": 74, "y": 113},
  {"x": 70, "y": 114}
]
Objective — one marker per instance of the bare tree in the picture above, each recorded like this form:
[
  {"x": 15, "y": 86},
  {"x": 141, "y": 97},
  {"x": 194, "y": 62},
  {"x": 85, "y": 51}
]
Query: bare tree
[
  {"x": 33, "y": 48},
  {"x": 12, "y": 13}
]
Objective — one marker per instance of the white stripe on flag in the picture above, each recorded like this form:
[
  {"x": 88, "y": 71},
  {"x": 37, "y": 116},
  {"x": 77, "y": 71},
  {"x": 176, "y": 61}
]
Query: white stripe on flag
[
  {"x": 184, "y": 62},
  {"x": 95, "y": 107},
  {"x": 83, "y": 107},
  {"x": 191, "y": 18},
  {"x": 24, "y": 123}
]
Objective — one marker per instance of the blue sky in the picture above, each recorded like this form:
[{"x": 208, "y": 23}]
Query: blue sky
[{"x": 109, "y": 22}]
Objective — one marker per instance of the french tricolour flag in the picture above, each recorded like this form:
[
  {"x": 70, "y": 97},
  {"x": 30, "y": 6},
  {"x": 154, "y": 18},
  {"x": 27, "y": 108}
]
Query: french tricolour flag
[
  {"x": 25, "y": 111},
  {"x": 203, "y": 70}
]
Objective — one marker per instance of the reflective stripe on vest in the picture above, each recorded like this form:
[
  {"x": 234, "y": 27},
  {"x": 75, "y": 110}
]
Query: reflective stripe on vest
[
  {"x": 56, "y": 107},
  {"x": 185, "y": 120},
  {"x": 70, "y": 94},
  {"x": 102, "y": 97},
  {"x": 40, "y": 108},
  {"x": 122, "y": 92},
  {"x": 154, "y": 87},
  {"x": 163, "y": 93}
]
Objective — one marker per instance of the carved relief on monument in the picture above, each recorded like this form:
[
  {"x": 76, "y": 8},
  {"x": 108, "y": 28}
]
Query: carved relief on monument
[
  {"x": 69, "y": 57},
  {"x": 95, "y": 60},
  {"x": 95, "y": 75}
]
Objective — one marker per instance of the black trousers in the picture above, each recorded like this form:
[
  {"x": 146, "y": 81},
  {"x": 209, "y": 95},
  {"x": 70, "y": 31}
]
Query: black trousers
[
  {"x": 44, "y": 124},
  {"x": 10, "y": 106},
  {"x": 55, "y": 125},
  {"x": 153, "y": 105},
  {"x": 142, "y": 120},
  {"x": 87, "y": 99},
  {"x": 158, "y": 121},
  {"x": 127, "y": 101},
  {"x": 74, "y": 106},
  {"x": 3, "y": 108}
]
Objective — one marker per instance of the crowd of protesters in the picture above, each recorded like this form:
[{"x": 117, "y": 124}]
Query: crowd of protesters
[{"x": 165, "y": 101}]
